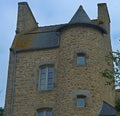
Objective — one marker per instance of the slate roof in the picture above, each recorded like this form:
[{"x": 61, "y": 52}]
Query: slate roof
[
  {"x": 49, "y": 36},
  {"x": 107, "y": 110},
  {"x": 41, "y": 38},
  {"x": 80, "y": 16}
]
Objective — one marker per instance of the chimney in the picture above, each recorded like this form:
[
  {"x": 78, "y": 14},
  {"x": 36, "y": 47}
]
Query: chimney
[
  {"x": 25, "y": 20},
  {"x": 103, "y": 17}
]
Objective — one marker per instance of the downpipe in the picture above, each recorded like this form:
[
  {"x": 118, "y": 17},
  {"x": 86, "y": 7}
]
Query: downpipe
[{"x": 13, "y": 83}]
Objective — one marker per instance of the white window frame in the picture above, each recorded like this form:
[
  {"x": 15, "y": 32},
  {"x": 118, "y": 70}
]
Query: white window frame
[
  {"x": 46, "y": 78},
  {"x": 44, "y": 111}
]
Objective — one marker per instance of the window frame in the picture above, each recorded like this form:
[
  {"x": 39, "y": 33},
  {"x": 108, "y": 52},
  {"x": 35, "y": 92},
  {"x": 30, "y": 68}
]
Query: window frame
[
  {"x": 82, "y": 97},
  {"x": 46, "y": 66},
  {"x": 84, "y": 60},
  {"x": 44, "y": 111}
]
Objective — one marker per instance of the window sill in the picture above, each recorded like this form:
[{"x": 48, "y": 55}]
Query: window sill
[
  {"x": 83, "y": 108},
  {"x": 47, "y": 90},
  {"x": 81, "y": 65}
]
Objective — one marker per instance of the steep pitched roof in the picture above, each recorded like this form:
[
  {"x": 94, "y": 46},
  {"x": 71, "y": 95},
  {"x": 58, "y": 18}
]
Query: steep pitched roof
[
  {"x": 40, "y": 38},
  {"x": 107, "y": 110},
  {"x": 80, "y": 16},
  {"x": 49, "y": 36}
]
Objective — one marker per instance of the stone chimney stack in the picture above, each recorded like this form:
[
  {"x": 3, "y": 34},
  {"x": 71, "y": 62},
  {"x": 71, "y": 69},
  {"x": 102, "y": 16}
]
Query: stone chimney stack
[
  {"x": 103, "y": 16},
  {"x": 25, "y": 20}
]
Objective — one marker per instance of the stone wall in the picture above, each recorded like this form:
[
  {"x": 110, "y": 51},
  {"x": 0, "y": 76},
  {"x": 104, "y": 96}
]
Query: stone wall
[
  {"x": 23, "y": 95},
  {"x": 89, "y": 41},
  {"x": 70, "y": 78}
]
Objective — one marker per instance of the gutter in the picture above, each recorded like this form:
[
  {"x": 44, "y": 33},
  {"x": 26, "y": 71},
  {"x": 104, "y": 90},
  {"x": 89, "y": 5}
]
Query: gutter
[{"x": 33, "y": 49}]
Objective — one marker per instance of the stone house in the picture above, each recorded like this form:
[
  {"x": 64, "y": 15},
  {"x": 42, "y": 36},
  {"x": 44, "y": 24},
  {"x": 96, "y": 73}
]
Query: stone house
[{"x": 55, "y": 70}]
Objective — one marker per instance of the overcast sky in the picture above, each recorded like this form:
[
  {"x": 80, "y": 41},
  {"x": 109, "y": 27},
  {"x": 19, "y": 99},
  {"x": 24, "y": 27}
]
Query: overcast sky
[{"x": 48, "y": 12}]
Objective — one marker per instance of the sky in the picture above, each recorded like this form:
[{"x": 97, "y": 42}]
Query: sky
[{"x": 48, "y": 12}]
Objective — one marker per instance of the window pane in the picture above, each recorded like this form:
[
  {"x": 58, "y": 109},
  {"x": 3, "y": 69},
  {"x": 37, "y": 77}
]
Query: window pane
[
  {"x": 50, "y": 80},
  {"x": 45, "y": 112},
  {"x": 43, "y": 75},
  {"x": 50, "y": 74},
  {"x": 50, "y": 83},
  {"x": 51, "y": 69},
  {"x": 50, "y": 77},
  {"x": 42, "y": 87},
  {"x": 43, "y": 70},
  {"x": 81, "y": 102},
  {"x": 50, "y": 86},
  {"x": 43, "y": 81},
  {"x": 80, "y": 59},
  {"x": 49, "y": 113},
  {"x": 40, "y": 113}
]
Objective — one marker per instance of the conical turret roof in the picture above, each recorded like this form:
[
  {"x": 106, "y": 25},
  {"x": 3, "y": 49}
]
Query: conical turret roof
[
  {"x": 107, "y": 110},
  {"x": 80, "y": 16}
]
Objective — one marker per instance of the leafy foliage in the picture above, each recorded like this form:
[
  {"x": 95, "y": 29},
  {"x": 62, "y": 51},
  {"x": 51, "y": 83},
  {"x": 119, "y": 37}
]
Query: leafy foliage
[
  {"x": 116, "y": 60},
  {"x": 113, "y": 76},
  {"x": 117, "y": 105}
]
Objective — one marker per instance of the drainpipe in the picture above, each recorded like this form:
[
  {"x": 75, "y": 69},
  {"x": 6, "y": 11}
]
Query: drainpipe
[{"x": 13, "y": 83}]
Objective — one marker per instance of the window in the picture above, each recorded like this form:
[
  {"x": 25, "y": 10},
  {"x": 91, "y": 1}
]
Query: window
[
  {"x": 46, "y": 77},
  {"x": 45, "y": 112},
  {"x": 81, "y": 101},
  {"x": 81, "y": 59}
]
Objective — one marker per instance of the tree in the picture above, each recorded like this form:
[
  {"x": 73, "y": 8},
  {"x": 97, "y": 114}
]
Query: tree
[
  {"x": 113, "y": 76},
  {"x": 117, "y": 105}
]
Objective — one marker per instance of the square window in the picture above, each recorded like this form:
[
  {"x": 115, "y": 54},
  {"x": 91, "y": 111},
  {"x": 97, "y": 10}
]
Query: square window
[
  {"x": 81, "y": 101},
  {"x": 81, "y": 59}
]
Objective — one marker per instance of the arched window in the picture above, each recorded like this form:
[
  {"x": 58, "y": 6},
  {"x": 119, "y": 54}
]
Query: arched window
[{"x": 46, "y": 81}]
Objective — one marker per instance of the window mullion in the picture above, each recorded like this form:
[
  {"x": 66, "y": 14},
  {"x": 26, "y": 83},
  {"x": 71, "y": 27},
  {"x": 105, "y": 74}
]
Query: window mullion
[
  {"x": 39, "y": 78},
  {"x": 44, "y": 113},
  {"x": 46, "y": 77},
  {"x": 53, "y": 78}
]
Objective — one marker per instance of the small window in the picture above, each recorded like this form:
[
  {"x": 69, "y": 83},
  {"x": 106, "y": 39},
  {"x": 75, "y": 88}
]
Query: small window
[
  {"x": 81, "y": 101},
  {"x": 46, "y": 77},
  {"x": 45, "y": 112},
  {"x": 81, "y": 59}
]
